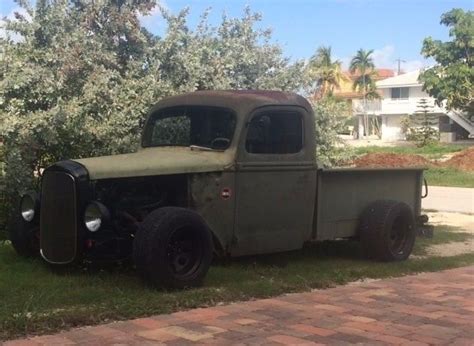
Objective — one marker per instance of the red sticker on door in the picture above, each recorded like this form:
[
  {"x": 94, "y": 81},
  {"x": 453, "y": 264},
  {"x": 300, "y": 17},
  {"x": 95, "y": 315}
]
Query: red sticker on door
[{"x": 226, "y": 193}]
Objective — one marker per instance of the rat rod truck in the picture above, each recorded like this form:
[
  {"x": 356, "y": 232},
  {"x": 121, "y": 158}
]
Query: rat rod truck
[{"x": 219, "y": 173}]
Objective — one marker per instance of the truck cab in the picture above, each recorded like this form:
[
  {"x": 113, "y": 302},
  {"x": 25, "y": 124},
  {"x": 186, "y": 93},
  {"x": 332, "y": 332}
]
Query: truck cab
[{"x": 219, "y": 173}]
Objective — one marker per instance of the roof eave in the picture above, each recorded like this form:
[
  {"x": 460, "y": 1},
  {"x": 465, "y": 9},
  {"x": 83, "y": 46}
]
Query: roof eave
[{"x": 399, "y": 85}]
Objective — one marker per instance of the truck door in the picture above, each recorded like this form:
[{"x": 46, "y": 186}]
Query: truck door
[{"x": 275, "y": 181}]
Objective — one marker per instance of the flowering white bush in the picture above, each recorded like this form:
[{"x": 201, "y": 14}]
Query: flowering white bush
[{"x": 80, "y": 76}]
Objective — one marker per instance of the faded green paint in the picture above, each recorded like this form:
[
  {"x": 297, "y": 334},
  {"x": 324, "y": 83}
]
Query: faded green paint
[
  {"x": 206, "y": 195},
  {"x": 343, "y": 194},
  {"x": 273, "y": 202},
  {"x": 275, "y": 193},
  {"x": 157, "y": 161},
  {"x": 176, "y": 160}
]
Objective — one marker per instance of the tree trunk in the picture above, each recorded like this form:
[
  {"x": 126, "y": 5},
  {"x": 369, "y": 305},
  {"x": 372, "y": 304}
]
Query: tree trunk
[{"x": 366, "y": 118}]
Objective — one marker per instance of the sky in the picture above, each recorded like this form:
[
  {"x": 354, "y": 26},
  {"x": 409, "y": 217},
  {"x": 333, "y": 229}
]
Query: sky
[{"x": 393, "y": 29}]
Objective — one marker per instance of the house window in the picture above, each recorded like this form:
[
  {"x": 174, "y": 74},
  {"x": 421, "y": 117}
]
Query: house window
[
  {"x": 275, "y": 133},
  {"x": 399, "y": 93}
]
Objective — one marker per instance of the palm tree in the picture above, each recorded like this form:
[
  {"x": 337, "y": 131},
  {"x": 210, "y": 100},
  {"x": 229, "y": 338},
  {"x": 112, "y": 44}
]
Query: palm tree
[
  {"x": 363, "y": 63},
  {"x": 361, "y": 82},
  {"x": 327, "y": 72},
  {"x": 365, "y": 84}
]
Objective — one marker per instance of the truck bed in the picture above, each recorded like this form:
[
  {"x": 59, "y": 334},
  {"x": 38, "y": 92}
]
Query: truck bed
[{"x": 343, "y": 194}]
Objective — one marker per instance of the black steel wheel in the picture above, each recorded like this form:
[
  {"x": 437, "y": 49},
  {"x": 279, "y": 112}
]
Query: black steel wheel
[
  {"x": 184, "y": 251},
  {"x": 387, "y": 231},
  {"x": 173, "y": 248},
  {"x": 399, "y": 235}
]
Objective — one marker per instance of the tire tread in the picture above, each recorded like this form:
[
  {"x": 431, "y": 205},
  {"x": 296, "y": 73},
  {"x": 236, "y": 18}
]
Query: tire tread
[
  {"x": 149, "y": 242},
  {"x": 375, "y": 222}
]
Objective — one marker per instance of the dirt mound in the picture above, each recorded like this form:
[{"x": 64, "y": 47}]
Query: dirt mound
[
  {"x": 464, "y": 160},
  {"x": 391, "y": 160}
]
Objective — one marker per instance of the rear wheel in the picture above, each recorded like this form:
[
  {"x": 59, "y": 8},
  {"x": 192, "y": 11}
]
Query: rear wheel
[
  {"x": 173, "y": 248},
  {"x": 387, "y": 231}
]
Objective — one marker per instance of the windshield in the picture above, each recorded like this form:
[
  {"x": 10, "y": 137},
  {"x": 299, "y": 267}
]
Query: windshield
[{"x": 201, "y": 126}]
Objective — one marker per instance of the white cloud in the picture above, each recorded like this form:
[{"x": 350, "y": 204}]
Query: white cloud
[
  {"x": 2, "y": 29},
  {"x": 411, "y": 65},
  {"x": 386, "y": 57},
  {"x": 154, "y": 21},
  {"x": 11, "y": 16},
  {"x": 3, "y": 32}
]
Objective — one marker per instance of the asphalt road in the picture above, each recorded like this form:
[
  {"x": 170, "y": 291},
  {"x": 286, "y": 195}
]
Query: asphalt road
[{"x": 452, "y": 199}]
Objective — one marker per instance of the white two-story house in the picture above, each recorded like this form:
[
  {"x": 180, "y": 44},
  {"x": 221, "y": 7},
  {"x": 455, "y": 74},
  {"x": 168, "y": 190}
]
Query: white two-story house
[{"x": 400, "y": 96}]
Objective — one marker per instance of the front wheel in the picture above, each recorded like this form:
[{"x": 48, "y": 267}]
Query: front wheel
[
  {"x": 24, "y": 237},
  {"x": 387, "y": 231},
  {"x": 173, "y": 248}
]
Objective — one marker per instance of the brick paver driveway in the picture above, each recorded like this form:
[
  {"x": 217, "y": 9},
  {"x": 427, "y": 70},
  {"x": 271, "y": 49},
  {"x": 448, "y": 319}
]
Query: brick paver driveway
[{"x": 434, "y": 308}]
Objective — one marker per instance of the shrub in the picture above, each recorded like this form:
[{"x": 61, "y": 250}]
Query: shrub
[
  {"x": 80, "y": 76},
  {"x": 421, "y": 126},
  {"x": 3, "y": 204},
  {"x": 329, "y": 124}
]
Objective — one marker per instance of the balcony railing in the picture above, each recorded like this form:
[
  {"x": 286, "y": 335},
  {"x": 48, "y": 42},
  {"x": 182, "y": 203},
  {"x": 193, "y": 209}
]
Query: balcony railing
[{"x": 371, "y": 106}]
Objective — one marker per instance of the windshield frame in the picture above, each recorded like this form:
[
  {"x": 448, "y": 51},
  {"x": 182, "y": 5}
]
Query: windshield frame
[{"x": 155, "y": 114}]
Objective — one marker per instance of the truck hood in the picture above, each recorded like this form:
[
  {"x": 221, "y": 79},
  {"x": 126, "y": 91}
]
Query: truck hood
[{"x": 157, "y": 161}]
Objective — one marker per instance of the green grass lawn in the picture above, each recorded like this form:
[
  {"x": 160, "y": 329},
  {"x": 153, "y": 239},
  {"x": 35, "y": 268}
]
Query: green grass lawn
[
  {"x": 433, "y": 152},
  {"x": 436, "y": 176},
  {"x": 443, "y": 176},
  {"x": 35, "y": 300}
]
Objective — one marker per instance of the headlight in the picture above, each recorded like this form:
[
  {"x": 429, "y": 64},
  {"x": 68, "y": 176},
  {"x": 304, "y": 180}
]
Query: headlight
[
  {"x": 95, "y": 215},
  {"x": 28, "y": 207}
]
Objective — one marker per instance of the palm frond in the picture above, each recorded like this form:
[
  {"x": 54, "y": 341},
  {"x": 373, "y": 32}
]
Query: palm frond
[{"x": 326, "y": 71}]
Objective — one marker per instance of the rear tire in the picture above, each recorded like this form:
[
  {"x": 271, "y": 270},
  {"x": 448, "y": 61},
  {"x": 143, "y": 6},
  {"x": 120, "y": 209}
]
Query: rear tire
[
  {"x": 387, "y": 231},
  {"x": 173, "y": 248},
  {"x": 24, "y": 237}
]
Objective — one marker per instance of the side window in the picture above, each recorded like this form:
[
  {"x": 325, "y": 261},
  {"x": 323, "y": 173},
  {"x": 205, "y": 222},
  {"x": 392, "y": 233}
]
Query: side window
[
  {"x": 399, "y": 93},
  {"x": 171, "y": 130},
  {"x": 275, "y": 133}
]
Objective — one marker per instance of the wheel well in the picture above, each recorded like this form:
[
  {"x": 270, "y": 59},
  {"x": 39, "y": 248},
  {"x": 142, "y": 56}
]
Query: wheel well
[{"x": 219, "y": 250}]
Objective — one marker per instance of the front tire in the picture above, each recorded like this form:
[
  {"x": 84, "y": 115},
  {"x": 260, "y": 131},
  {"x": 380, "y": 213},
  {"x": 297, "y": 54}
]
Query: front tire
[
  {"x": 387, "y": 231},
  {"x": 173, "y": 248},
  {"x": 24, "y": 237}
]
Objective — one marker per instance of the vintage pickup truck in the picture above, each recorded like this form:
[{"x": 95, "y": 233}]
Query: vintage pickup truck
[{"x": 219, "y": 173}]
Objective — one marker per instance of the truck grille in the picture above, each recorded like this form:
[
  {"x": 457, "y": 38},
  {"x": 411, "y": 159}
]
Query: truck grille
[{"x": 58, "y": 218}]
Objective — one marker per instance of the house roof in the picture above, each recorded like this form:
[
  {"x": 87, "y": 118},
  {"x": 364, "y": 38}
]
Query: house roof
[
  {"x": 352, "y": 94},
  {"x": 406, "y": 79},
  {"x": 346, "y": 90},
  {"x": 385, "y": 73},
  {"x": 379, "y": 73}
]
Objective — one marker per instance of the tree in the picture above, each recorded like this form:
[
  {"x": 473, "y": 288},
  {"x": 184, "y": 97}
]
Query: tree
[
  {"x": 365, "y": 85},
  {"x": 76, "y": 68},
  {"x": 327, "y": 72},
  {"x": 363, "y": 64},
  {"x": 329, "y": 121},
  {"x": 80, "y": 76},
  {"x": 421, "y": 125},
  {"x": 451, "y": 80}
]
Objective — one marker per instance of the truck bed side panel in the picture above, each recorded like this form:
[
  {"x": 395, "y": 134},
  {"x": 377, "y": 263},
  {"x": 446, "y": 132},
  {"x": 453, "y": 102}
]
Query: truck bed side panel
[{"x": 343, "y": 194}]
